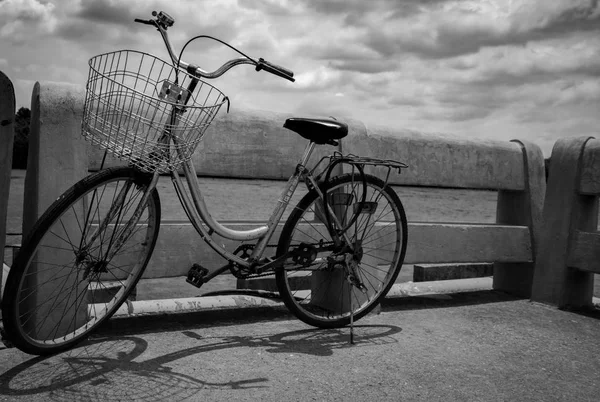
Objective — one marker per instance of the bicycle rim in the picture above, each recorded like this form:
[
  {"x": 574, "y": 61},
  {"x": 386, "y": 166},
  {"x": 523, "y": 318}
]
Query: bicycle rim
[
  {"x": 318, "y": 292},
  {"x": 76, "y": 268}
]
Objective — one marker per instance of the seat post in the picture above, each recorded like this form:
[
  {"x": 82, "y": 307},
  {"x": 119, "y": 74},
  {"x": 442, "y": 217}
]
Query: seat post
[{"x": 307, "y": 152}]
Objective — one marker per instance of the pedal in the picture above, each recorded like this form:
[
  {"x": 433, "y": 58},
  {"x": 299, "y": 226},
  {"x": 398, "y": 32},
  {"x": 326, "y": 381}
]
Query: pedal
[{"x": 196, "y": 275}]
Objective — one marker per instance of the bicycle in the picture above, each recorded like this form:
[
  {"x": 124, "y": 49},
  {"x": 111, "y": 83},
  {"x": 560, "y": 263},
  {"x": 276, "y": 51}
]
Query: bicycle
[{"x": 338, "y": 254}]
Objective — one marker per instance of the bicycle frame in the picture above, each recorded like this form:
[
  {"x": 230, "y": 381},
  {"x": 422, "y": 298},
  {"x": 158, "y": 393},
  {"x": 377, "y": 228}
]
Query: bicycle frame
[
  {"x": 198, "y": 211},
  {"x": 194, "y": 204},
  {"x": 339, "y": 253}
]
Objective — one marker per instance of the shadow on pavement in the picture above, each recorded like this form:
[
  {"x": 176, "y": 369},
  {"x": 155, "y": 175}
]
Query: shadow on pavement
[
  {"x": 466, "y": 299},
  {"x": 447, "y": 300},
  {"x": 113, "y": 369},
  {"x": 240, "y": 316}
]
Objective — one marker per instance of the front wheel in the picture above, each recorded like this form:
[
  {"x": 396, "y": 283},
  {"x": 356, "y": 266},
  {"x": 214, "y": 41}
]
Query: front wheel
[
  {"x": 79, "y": 263},
  {"x": 318, "y": 281}
]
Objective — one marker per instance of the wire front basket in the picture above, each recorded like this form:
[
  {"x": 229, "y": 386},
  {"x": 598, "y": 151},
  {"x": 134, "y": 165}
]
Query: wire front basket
[{"x": 133, "y": 99}]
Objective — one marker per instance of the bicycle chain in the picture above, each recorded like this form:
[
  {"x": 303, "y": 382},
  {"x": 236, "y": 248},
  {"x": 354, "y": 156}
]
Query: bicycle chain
[{"x": 237, "y": 270}]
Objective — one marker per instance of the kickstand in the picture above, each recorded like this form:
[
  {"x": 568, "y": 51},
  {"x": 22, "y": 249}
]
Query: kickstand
[{"x": 351, "y": 315}]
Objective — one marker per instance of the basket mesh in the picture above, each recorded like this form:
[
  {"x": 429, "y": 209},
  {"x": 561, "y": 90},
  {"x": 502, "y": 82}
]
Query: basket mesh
[{"x": 130, "y": 101}]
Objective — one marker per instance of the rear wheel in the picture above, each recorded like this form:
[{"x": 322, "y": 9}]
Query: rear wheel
[
  {"x": 78, "y": 265},
  {"x": 315, "y": 281}
]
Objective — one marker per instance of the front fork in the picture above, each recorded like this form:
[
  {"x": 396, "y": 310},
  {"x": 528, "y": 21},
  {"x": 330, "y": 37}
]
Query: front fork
[{"x": 115, "y": 211}]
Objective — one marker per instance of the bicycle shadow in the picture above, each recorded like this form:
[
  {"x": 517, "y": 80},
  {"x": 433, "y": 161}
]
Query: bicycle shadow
[{"x": 113, "y": 369}]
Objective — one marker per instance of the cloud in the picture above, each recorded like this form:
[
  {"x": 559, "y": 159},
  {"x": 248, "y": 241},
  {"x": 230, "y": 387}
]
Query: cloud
[
  {"x": 273, "y": 8},
  {"x": 541, "y": 61},
  {"x": 486, "y": 68},
  {"x": 354, "y": 9},
  {"x": 323, "y": 105},
  {"x": 365, "y": 66},
  {"x": 584, "y": 91},
  {"x": 557, "y": 17},
  {"x": 322, "y": 78},
  {"x": 21, "y": 18},
  {"x": 465, "y": 27},
  {"x": 102, "y": 23},
  {"x": 26, "y": 10},
  {"x": 106, "y": 11},
  {"x": 374, "y": 37}
]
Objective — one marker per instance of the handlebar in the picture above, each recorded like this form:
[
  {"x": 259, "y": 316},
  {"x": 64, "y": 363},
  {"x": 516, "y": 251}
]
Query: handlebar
[
  {"x": 147, "y": 22},
  {"x": 163, "y": 21}
]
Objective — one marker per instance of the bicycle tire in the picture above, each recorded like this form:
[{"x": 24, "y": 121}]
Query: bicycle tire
[
  {"x": 64, "y": 282},
  {"x": 318, "y": 292}
]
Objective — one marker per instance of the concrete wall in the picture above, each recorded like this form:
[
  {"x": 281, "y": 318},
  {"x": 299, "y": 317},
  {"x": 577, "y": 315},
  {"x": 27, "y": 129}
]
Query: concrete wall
[
  {"x": 7, "y": 117},
  {"x": 253, "y": 144}
]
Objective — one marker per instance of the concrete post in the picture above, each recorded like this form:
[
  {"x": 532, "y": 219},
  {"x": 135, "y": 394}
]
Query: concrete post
[
  {"x": 565, "y": 212},
  {"x": 57, "y": 152},
  {"x": 522, "y": 208},
  {"x": 7, "y": 117},
  {"x": 57, "y": 159}
]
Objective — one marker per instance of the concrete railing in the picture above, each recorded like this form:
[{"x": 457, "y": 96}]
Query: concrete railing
[
  {"x": 7, "y": 119},
  {"x": 253, "y": 144},
  {"x": 569, "y": 249},
  {"x": 515, "y": 169}
]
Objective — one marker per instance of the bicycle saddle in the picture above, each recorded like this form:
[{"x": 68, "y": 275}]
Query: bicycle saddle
[{"x": 319, "y": 131}]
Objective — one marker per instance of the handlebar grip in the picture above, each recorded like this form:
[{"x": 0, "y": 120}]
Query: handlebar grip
[
  {"x": 279, "y": 68},
  {"x": 147, "y": 22},
  {"x": 275, "y": 69}
]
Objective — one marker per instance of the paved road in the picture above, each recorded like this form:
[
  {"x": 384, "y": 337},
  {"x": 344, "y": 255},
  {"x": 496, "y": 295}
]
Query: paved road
[{"x": 483, "y": 346}]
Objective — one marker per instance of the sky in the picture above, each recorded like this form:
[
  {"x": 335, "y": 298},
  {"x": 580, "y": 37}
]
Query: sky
[{"x": 493, "y": 69}]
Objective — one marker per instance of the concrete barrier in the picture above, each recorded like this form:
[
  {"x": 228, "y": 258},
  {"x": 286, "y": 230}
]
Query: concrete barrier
[
  {"x": 515, "y": 169},
  {"x": 253, "y": 144},
  {"x": 569, "y": 250},
  {"x": 57, "y": 159},
  {"x": 57, "y": 152},
  {"x": 7, "y": 132}
]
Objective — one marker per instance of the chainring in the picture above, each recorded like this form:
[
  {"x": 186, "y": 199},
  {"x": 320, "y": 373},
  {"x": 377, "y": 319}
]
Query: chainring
[{"x": 244, "y": 251}]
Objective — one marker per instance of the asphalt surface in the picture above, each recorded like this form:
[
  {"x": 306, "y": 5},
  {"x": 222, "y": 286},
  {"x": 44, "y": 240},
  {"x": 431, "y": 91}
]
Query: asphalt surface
[{"x": 478, "y": 346}]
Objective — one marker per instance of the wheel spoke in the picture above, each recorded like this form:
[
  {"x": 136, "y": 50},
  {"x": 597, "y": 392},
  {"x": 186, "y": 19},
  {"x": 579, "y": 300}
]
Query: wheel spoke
[
  {"x": 65, "y": 284},
  {"x": 377, "y": 234}
]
